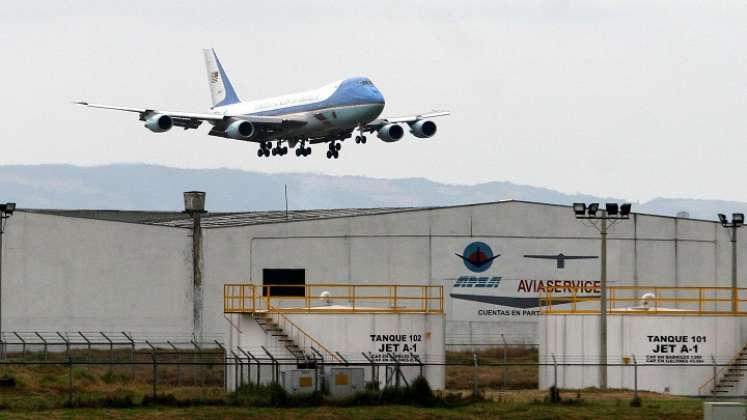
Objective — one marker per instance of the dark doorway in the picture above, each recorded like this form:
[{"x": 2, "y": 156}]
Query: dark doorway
[{"x": 284, "y": 277}]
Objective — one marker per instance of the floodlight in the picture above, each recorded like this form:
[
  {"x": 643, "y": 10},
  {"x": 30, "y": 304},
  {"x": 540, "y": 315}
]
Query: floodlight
[
  {"x": 737, "y": 218},
  {"x": 611, "y": 209},
  {"x": 579, "y": 208},
  {"x": 625, "y": 209},
  {"x": 593, "y": 207},
  {"x": 11, "y": 207},
  {"x": 722, "y": 218}
]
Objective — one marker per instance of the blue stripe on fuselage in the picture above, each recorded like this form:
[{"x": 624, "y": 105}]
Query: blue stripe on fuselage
[{"x": 351, "y": 92}]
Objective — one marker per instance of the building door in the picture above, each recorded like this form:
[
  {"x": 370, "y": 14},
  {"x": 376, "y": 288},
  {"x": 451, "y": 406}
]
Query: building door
[{"x": 285, "y": 279}]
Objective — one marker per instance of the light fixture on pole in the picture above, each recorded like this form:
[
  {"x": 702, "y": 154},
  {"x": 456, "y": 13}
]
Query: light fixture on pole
[
  {"x": 737, "y": 221},
  {"x": 6, "y": 210},
  {"x": 614, "y": 212}
]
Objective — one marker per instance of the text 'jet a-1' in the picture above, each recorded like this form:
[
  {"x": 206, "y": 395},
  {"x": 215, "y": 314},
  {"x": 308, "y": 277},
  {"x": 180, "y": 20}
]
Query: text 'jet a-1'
[{"x": 329, "y": 114}]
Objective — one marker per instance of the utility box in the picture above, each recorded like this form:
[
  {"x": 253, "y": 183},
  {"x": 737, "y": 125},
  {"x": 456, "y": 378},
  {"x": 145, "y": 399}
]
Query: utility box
[
  {"x": 344, "y": 382},
  {"x": 299, "y": 381},
  {"x": 724, "y": 410}
]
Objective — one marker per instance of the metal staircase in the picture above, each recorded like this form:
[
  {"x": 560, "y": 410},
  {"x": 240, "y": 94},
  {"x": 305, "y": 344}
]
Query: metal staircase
[
  {"x": 307, "y": 350},
  {"x": 731, "y": 375},
  {"x": 270, "y": 326}
]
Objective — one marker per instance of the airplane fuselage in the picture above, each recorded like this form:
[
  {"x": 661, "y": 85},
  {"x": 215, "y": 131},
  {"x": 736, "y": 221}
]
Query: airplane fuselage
[{"x": 337, "y": 107}]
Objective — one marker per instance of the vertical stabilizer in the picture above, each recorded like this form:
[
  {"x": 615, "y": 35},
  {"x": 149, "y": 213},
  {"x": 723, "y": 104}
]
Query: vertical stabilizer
[{"x": 221, "y": 90}]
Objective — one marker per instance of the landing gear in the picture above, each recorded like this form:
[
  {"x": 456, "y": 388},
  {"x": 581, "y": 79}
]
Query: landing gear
[
  {"x": 279, "y": 150},
  {"x": 303, "y": 151},
  {"x": 360, "y": 139},
  {"x": 264, "y": 150},
  {"x": 334, "y": 150}
]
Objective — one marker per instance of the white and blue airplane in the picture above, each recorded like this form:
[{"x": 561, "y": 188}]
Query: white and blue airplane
[{"x": 329, "y": 114}]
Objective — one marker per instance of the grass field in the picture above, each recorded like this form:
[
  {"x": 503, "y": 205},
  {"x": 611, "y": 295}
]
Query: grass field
[
  {"x": 608, "y": 405},
  {"x": 41, "y": 391}
]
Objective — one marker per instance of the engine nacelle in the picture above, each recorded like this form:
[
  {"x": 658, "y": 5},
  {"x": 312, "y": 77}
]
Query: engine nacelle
[
  {"x": 423, "y": 128},
  {"x": 391, "y": 132},
  {"x": 158, "y": 123},
  {"x": 240, "y": 130}
]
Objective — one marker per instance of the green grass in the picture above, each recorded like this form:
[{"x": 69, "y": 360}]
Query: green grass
[{"x": 669, "y": 409}]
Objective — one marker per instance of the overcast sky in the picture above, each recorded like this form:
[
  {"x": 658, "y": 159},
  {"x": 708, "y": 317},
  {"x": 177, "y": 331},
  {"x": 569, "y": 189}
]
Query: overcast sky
[{"x": 633, "y": 99}]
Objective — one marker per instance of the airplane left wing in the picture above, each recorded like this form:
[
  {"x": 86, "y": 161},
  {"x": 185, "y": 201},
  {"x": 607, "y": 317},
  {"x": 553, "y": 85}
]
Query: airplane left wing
[
  {"x": 190, "y": 120},
  {"x": 186, "y": 120}
]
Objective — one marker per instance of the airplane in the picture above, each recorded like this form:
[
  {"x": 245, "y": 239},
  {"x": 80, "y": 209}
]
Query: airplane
[
  {"x": 560, "y": 259},
  {"x": 478, "y": 258},
  {"x": 329, "y": 114}
]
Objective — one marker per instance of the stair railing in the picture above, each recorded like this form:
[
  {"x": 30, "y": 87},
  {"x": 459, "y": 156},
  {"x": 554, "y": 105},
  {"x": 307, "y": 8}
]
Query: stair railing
[
  {"x": 720, "y": 372},
  {"x": 301, "y": 337}
]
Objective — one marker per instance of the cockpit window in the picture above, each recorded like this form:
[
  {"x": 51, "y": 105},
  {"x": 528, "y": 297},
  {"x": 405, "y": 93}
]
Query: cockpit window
[{"x": 365, "y": 82}]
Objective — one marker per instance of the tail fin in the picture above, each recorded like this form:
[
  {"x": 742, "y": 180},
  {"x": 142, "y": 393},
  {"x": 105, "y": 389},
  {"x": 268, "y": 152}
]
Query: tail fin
[{"x": 221, "y": 90}]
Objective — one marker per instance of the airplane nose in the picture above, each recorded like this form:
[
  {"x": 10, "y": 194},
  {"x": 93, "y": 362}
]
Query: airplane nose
[{"x": 377, "y": 97}]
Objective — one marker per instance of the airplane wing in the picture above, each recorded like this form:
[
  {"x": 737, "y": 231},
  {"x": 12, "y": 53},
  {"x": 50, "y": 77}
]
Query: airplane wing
[
  {"x": 192, "y": 120},
  {"x": 544, "y": 257},
  {"x": 375, "y": 124}
]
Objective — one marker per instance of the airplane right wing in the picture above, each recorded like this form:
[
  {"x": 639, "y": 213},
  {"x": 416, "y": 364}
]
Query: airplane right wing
[{"x": 390, "y": 130}]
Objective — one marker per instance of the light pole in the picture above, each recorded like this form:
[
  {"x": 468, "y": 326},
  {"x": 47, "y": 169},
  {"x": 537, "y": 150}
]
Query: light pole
[
  {"x": 194, "y": 205},
  {"x": 5, "y": 211},
  {"x": 737, "y": 221},
  {"x": 615, "y": 213}
]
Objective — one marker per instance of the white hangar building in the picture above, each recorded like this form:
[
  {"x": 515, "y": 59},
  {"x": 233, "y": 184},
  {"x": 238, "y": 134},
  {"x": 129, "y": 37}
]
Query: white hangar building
[{"x": 70, "y": 270}]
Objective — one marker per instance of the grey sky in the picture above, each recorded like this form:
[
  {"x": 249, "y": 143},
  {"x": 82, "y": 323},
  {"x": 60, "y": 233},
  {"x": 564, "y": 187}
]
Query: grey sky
[{"x": 632, "y": 99}]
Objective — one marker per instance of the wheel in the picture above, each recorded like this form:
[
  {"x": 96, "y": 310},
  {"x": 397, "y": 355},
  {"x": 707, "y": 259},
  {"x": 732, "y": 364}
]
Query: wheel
[
  {"x": 363, "y": 139},
  {"x": 329, "y": 154},
  {"x": 274, "y": 152},
  {"x": 331, "y": 146},
  {"x": 307, "y": 151},
  {"x": 338, "y": 146},
  {"x": 260, "y": 152},
  {"x": 285, "y": 150},
  {"x": 267, "y": 152},
  {"x": 336, "y": 154},
  {"x": 357, "y": 139},
  {"x": 298, "y": 152}
]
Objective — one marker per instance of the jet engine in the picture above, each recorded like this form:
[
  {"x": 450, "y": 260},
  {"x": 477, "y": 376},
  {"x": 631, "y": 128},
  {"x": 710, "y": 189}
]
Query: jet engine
[
  {"x": 240, "y": 130},
  {"x": 423, "y": 128},
  {"x": 391, "y": 133},
  {"x": 158, "y": 123}
]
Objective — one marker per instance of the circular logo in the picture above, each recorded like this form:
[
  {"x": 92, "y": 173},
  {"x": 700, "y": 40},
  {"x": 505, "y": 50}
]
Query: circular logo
[{"x": 478, "y": 257}]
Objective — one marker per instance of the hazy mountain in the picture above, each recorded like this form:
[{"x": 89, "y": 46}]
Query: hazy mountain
[{"x": 149, "y": 187}]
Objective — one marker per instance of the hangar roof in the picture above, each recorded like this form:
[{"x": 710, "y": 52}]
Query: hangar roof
[
  {"x": 235, "y": 219},
  {"x": 264, "y": 217}
]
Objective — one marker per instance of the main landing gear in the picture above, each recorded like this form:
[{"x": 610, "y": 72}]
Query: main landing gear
[
  {"x": 360, "y": 139},
  {"x": 334, "y": 150},
  {"x": 265, "y": 149},
  {"x": 302, "y": 150}
]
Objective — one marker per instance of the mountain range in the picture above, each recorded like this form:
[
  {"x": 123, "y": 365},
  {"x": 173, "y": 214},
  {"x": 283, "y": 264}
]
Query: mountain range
[{"x": 152, "y": 187}]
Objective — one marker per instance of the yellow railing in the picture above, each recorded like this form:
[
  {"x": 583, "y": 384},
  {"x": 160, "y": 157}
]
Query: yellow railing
[
  {"x": 688, "y": 300},
  {"x": 333, "y": 298},
  {"x": 303, "y": 339}
]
